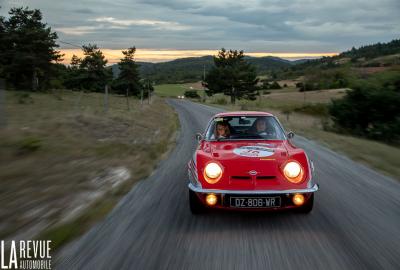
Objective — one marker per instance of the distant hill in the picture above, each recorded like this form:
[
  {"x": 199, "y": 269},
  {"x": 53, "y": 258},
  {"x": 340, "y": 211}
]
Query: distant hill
[
  {"x": 375, "y": 55},
  {"x": 374, "y": 50},
  {"x": 191, "y": 69},
  {"x": 346, "y": 69}
]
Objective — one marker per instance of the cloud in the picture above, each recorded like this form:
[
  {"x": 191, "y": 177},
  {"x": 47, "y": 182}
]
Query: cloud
[
  {"x": 254, "y": 25},
  {"x": 84, "y": 11},
  {"x": 77, "y": 30},
  {"x": 174, "y": 26}
]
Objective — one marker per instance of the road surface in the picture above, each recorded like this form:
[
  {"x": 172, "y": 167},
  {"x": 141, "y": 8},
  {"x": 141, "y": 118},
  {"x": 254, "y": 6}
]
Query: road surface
[{"x": 355, "y": 223}]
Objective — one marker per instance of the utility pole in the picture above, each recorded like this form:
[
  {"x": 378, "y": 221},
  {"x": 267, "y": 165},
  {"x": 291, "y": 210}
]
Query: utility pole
[
  {"x": 3, "y": 119},
  {"x": 106, "y": 98}
]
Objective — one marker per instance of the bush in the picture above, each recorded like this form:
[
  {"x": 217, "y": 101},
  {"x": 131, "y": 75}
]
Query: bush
[
  {"x": 307, "y": 86},
  {"x": 220, "y": 101},
  {"x": 56, "y": 84},
  {"x": 29, "y": 145},
  {"x": 371, "y": 110},
  {"x": 275, "y": 85},
  {"x": 191, "y": 94},
  {"x": 266, "y": 92},
  {"x": 265, "y": 84},
  {"x": 327, "y": 79},
  {"x": 24, "y": 98},
  {"x": 318, "y": 109}
]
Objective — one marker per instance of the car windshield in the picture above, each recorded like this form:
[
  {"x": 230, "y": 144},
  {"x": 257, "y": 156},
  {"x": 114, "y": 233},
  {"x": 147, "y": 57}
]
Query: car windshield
[{"x": 245, "y": 128}]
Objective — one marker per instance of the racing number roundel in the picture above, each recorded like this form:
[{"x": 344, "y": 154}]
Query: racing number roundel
[{"x": 253, "y": 151}]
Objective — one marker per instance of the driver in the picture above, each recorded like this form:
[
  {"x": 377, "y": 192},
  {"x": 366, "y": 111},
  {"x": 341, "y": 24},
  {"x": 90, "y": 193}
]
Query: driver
[{"x": 262, "y": 127}]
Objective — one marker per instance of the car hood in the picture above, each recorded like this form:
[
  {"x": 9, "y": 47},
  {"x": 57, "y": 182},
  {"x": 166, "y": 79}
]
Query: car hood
[
  {"x": 226, "y": 150},
  {"x": 246, "y": 164}
]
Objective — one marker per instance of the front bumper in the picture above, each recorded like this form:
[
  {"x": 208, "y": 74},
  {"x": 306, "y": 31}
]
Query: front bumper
[
  {"x": 314, "y": 188},
  {"x": 224, "y": 196}
]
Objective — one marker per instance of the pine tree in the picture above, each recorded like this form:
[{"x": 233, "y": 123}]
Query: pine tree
[
  {"x": 128, "y": 81},
  {"x": 29, "y": 49},
  {"x": 233, "y": 76},
  {"x": 95, "y": 75}
]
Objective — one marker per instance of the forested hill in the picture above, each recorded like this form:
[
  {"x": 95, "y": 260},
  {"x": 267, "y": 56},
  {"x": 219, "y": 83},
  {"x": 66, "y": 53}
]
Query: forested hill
[
  {"x": 191, "y": 69},
  {"x": 374, "y": 50},
  {"x": 375, "y": 55}
]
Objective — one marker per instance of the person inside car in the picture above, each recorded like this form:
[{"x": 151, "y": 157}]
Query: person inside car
[
  {"x": 262, "y": 127},
  {"x": 222, "y": 130}
]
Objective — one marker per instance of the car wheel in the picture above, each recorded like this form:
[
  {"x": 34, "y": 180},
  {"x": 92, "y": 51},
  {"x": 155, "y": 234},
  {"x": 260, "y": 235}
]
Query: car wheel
[
  {"x": 307, "y": 207},
  {"x": 196, "y": 206}
]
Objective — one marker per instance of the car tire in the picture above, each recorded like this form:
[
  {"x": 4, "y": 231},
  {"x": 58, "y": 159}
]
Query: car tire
[
  {"x": 196, "y": 206},
  {"x": 307, "y": 207}
]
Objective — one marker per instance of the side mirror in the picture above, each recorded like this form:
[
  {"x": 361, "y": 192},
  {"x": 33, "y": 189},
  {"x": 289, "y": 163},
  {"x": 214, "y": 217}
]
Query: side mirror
[
  {"x": 290, "y": 135},
  {"x": 199, "y": 137}
]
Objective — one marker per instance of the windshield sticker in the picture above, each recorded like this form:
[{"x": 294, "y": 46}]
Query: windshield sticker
[
  {"x": 219, "y": 119},
  {"x": 253, "y": 151}
]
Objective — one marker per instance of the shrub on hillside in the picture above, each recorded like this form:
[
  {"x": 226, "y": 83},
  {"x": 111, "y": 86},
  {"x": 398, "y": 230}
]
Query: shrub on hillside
[
  {"x": 275, "y": 85},
  {"x": 29, "y": 145},
  {"x": 371, "y": 109},
  {"x": 318, "y": 109},
  {"x": 221, "y": 101}
]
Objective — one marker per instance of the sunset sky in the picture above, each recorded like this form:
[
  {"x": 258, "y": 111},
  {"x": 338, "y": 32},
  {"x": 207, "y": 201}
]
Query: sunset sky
[{"x": 166, "y": 30}]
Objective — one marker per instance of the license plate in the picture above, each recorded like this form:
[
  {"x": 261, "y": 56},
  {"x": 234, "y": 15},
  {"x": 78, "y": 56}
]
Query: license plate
[{"x": 252, "y": 202}]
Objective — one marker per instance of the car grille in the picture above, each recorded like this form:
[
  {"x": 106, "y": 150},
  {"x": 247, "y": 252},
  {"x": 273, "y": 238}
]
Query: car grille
[
  {"x": 260, "y": 177},
  {"x": 241, "y": 177},
  {"x": 266, "y": 177}
]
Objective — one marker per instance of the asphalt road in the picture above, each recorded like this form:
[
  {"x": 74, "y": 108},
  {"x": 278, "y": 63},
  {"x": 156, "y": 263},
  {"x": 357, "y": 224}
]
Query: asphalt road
[{"x": 355, "y": 223}]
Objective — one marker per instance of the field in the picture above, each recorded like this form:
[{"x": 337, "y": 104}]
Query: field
[
  {"x": 64, "y": 160},
  {"x": 305, "y": 113}
]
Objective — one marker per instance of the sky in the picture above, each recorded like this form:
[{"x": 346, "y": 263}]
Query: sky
[{"x": 166, "y": 30}]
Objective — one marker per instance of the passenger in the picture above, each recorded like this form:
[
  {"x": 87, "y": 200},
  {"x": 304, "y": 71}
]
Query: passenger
[{"x": 222, "y": 130}]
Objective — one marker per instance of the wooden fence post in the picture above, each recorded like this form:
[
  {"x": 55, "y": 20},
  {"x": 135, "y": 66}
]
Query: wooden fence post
[
  {"x": 127, "y": 98},
  {"x": 3, "y": 119},
  {"x": 141, "y": 97},
  {"x": 106, "y": 98}
]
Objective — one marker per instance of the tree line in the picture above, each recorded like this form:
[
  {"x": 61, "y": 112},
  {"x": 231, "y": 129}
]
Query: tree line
[{"x": 30, "y": 60}]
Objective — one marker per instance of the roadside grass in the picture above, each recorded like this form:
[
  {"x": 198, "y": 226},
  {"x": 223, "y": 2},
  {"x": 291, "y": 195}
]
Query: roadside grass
[
  {"x": 65, "y": 162},
  {"x": 175, "y": 90},
  {"x": 308, "y": 116}
]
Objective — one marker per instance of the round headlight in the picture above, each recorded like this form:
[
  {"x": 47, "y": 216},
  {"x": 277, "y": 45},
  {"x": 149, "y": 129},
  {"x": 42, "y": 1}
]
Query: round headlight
[
  {"x": 293, "y": 172},
  {"x": 212, "y": 172}
]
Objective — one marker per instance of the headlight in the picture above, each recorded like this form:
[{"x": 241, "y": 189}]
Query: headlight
[
  {"x": 293, "y": 172},
  {"x": 212, "y": 173}
]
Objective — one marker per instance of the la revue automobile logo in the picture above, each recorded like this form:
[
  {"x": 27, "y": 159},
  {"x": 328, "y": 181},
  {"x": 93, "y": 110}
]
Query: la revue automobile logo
[{"x": 25, "y": 254}]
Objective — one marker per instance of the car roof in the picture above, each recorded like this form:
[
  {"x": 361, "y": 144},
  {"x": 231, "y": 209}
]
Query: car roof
[{"x": 244, "y": 113}]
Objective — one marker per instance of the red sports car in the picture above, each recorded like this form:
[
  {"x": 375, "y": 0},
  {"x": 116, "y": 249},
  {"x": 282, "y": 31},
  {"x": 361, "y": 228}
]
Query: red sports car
[{"x": 245, "y": 160}]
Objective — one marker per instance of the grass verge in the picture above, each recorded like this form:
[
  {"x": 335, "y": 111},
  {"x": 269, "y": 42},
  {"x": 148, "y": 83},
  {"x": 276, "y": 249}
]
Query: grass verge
[{"x": 65, "y": 162}]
